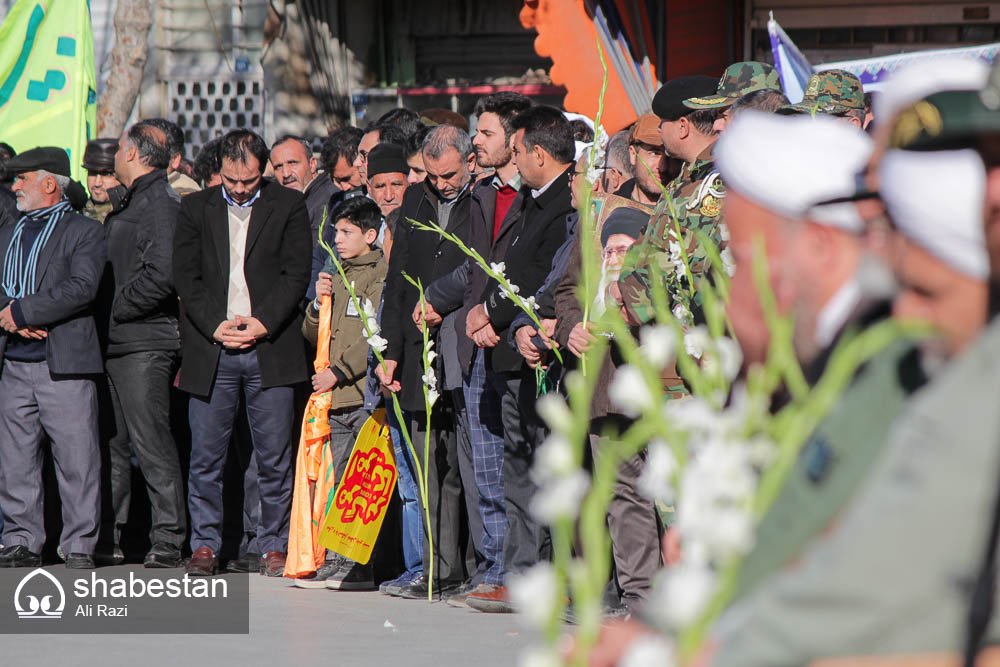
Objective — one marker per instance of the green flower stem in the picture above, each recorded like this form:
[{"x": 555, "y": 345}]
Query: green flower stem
[
  {"x": 485, "y": 266},
  {"x": 397, "y": 410},
  {"x": 427, "y": 433}
]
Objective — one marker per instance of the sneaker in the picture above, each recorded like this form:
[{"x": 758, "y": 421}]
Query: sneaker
[
  {"x": 494, "y": 600},
  {"x": 75, "y": 561},
  {"x": 417, "y": 590},
  {"x": 352, "y": 577},
  {"x": 248, "y": 562},
  {"x": 394, "y": 586},
  {"x": 318, "y": 578},
  {"x": 163, "y": 555},
  {"x": 458, "y": 597},
  {"x": 19, "y": 555}
]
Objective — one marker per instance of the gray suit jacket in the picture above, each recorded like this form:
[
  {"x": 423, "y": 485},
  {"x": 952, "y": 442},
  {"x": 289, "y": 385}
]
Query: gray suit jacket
[
  {"x": 895, "y": 573},
  {"x": 69, "y": 274}
]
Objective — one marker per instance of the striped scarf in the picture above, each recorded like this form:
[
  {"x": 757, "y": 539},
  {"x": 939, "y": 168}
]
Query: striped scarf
[{"x": 19, "y": 272}]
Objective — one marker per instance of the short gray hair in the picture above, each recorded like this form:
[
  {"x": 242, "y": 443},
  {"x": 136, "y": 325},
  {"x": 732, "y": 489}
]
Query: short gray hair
[
  {"x": 61, "y": 181},
  {"x": 617, "y": 154},
  {"x": 443, "y": 137}
]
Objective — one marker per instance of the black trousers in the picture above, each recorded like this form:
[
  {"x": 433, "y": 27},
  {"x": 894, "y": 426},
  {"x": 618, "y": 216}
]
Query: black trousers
[{"x": 139, "y": 385}]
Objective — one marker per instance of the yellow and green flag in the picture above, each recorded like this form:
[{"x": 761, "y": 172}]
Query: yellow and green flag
[{"x": 48, "y": 87}]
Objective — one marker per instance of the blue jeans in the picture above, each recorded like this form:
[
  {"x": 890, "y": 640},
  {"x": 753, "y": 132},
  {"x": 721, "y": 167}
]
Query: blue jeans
[
  {"x": 406, "y": 484},
  {"x": 270, "y": 413}
]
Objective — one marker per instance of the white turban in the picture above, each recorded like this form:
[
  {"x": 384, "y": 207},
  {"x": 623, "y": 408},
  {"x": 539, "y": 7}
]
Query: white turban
[
  {"x": 935, "y": 199},
  {"x": 915, "y": 82},
  {"x": 789, "y": 164}
]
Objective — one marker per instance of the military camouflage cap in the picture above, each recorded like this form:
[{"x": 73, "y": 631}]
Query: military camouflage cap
[
  {"x": 833, "y": 91},
  {"x": 738, "y": 80}
]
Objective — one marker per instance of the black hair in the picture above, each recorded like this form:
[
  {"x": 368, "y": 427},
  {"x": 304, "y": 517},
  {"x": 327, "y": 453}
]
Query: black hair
[
  {"x": 207, "y": 162},
  {"x": 506, "y": 105},
  {"x": 306, "y": 146},
  {"x": 406, "y": 121},
  {"x": 360, "y": 211},
  {"x": 237, "y": 145},
  {"x": 390, "y": 134},
  {"x": 175, "y": 135},
  {"x": 342, "y": 143},
  {"x": 868, "y": 101},
  {"x": 704, "y": 120},
  {"x": 547, "y": 127},
  {"x": 152, "y": 143},
  {"x": 415, "y": 142},
  {"x": 767, "y": 100},
  {"x": 581, "y": 131}
]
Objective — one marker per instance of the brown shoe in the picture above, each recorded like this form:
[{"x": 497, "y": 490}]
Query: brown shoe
[
  {"x": 272, "y": 564},
  {"x": 203, "y": 563},
  {"x": 491, "y": 599}
]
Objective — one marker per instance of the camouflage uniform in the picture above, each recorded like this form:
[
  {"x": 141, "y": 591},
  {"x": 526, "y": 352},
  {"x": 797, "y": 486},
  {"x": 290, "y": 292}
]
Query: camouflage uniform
[
  {"x": 738, "y": 80},
  {"x": 695, "y": 197},
  {"x": 833, "y": 92},
  {"x": 97, "y": 211}
]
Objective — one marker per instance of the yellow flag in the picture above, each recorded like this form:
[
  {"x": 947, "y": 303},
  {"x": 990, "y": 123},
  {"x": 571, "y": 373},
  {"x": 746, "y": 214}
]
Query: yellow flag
[
  {"x": 48, "y": 89},
  {"x": 353, "y": 521}
]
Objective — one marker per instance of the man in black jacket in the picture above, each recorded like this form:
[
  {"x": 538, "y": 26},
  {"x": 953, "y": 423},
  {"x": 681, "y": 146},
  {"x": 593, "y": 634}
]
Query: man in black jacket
[
  {"x": 543, "y": 151},
  {"x": 142, "y": 340},
  {"x": 53, "y": 260},
  {"x": 443, "y": 198},
  {"x": 240, "y": 268}
]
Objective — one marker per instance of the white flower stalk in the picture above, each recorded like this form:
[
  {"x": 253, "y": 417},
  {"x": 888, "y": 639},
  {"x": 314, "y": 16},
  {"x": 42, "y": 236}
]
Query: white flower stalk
[
  {"x": 649, "y": 650},
  {"x": 553, "y": 409},
  {"x": 677, "y": 259},
  {"x": 718, "y": 355},
  {"x": 656, "y": 481},
  {"x": 432, "y": 396},
  {"x": 377, "y": 343},
  {"x": 560, "y": 497},
  {"x": 658, "y": 344},
  {"x": 429, "y": 378},
  {"x": 628, "y": 391},
  {"x": 553, "y": 460},
  {"x": 680, "y": 594},
  {"x": 683, "y": 314},
  {"x": 535, "y": 594},
  {"x": 498, "y": 267}
]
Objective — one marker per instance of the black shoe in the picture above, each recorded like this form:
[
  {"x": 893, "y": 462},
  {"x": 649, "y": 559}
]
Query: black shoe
[
  {"x": 418, "y": 589},
  {"x": 80, "y": 562},
  {"x": 19, "y": 555},
  {"x": 248, "y": 562},
  {"x": 163, "y": 555},
  {"x": 113, "y": 557},
  {"x": 394, "y": 586},
  {"x": 457, "y": 597},
  {"x": 351, "y": 577}
]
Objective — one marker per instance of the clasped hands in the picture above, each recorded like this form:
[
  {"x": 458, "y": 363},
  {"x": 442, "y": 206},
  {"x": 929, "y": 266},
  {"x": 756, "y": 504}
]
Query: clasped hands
[
  {"x": 239, "y": 333},
  {"x": 8, "y": 324}
]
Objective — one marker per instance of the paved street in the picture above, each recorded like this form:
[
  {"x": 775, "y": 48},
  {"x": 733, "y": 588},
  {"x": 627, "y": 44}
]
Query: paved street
[{"x": 290, "y": 626}]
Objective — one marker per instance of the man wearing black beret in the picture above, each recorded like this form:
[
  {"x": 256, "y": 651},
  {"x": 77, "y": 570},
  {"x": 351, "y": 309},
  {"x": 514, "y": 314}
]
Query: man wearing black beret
[{"x": 52, "y": 265}]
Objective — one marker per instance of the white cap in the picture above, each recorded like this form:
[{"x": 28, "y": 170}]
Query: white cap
[
  {"x": 789, "y": 164},
  {"x": 916, "y": 81},
  {"x": 935, "y": 199}
]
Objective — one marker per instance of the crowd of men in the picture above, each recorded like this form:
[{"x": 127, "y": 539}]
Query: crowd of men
[{"x": 210, "y": 278}]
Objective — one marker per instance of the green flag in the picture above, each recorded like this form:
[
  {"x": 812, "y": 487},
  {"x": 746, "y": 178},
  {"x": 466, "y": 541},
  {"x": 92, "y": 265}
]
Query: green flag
[{"x": 47, "y": 83}]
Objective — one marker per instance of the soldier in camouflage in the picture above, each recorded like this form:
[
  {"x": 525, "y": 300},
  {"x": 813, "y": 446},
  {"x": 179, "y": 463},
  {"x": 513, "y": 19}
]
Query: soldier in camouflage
[
  {"x": 834, "y": 93},
  {"x": 99, "y": 161},
  {"x": 691, "y": 203},
  {"x": 738, "y": 80}
]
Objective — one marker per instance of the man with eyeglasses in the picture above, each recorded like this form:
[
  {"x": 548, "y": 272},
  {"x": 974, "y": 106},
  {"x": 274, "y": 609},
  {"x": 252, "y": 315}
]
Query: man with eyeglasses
[{"x": 99, "y": 161}]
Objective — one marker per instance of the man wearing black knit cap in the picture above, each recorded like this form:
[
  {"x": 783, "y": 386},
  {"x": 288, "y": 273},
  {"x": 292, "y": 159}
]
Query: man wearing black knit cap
[
  {"x": 53, "y": 261},
  {"x": 387, "y": 170}
]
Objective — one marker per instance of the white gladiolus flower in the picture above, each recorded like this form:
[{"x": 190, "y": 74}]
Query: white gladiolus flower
[
  {"x": 431, "y": 356},
  {"x": 432, "y": 396},
  {"x": 649, "y": 650},
  {"x": 535, "y": 593},
  {"x": 677, "y": 259},
  {"x": 498, "y": 267},
  {"x": 697, "y": 340},
  {"x": 530, "y": 302},
  {"x": 556, "y": 413},
  {"x": 369, "y": 309},
  {"x": 553, "y": 458},
  {"x": 378, "y": 343},
  {"x": 656, "y": 481},
  {"x": 730, "y": 357},
  {"x": 429, "y": 378},
  {"x": 560, "y": 497},
  {"x": 680, "y": 595},
  {"x": 658, "y": 344},
  {"x": 628, "y": 391},
  {"x": 683, "y": 314},
  {"x": 728, "y": 263}
]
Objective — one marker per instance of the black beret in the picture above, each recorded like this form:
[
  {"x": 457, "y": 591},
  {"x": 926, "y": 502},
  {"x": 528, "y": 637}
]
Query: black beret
[
  {"x": 100, "y": 155},
  {"x": 386, "y": 159},
  {"x": 51, "y": 159},
  {"x": 668, "y": 103},
  {"x": 624, "y": 220}
]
